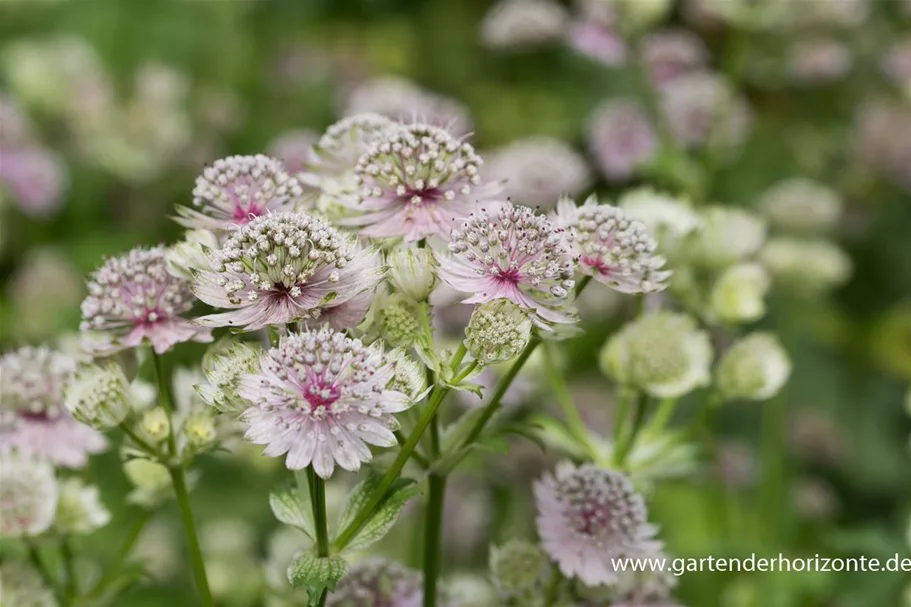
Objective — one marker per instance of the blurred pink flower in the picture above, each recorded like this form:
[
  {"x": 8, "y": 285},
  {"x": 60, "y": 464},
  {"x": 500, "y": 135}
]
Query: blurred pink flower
[
  {"x": 669, "y": 53},
  {"x": 701, "y": 108},
  {"x": 818, "y": 61},
  {"x": 34, "y": 178},
  {"x": 621, "y": 139},
  {"x": 293, "y": 148}
]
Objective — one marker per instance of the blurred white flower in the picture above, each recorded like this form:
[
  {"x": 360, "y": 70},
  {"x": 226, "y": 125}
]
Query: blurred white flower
[
  {"x": 738, "y": 293},
  {"x": 523, "y": 24},
  {"x": 801, "y": 204},
  {"x": 806, "y": 266},
  {"x": 818, "y": 61},
  {"x": 669, "y": 219},
  {"x": 22, "y": 586},
  {"x": 28, "y": 496},
  {"x": 79, "y": 508},
  {"x": 754, "y": 368},
  {"x": 728, "y": 235}
]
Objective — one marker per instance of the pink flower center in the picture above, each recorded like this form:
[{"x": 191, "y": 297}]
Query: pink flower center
[
  {"x": 428, "y": 196},
  {"x": 245, "y": 215},
  {"x": 318, "y": 395},
  {"x": 592, "y": 520},
  {"x": 508, "y": 275}
]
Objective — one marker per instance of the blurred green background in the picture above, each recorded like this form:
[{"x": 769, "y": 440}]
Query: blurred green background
[{"x": 233, "y": 76}]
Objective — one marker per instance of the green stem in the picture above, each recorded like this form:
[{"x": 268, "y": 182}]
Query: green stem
[
  {"x": 69, "y": 564},
  {"x": 178, "y": 478},
  {"x": 573, "y": 419},
  {"x": 113, "y": 570},
  {"x": 38, "y": 563},
  {"x": 626, "y": 397},
  {"x": 433, "y": 404},
  {"x": 581, "y": 284},
  {"x": 420, "y": 459},
  {"x": 145, "y": 446},
  {"x": 553, "y": 591},
  {"x": 662, "y": 415},
  {"x": 166, "y": 396},
  {"x": 320, "y": 519},
  {"x": 630, "y": 438},
  {"x": 433, "y": 530}
]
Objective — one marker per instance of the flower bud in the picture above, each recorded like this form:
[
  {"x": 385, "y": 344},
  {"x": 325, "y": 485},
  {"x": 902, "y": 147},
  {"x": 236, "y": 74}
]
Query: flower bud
[
  {"x": 408, "y": 376},
  {"x": 663, "y": 354},
  {"x": 738, "y": 293},
  {"x": 398, "y": 324},
  {"x": 199, "y": 429},
  {"x": 808, "y": 267},
  {"x": 28, "y": 496},
  {"x": 99, "y": 396},
  {"x": 79, "y": 508},
  {"x": 155, "y": 424},
  {"x": 189, "y": 254},
  {"x": 412, "y": 271},
  {"x": 223, "y": 366},
  {"x": 519, "y": 571},
  {"x": 498, "y": 331},
  {"x": 801, "y": 205},
  {"x": 754, "y": 368},
  {"x": 151, "y": 481},
  {"x": 728, "y": 235}
]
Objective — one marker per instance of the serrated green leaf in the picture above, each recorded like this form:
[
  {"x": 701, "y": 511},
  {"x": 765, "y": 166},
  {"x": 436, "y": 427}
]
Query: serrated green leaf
[
  {"x": 386, "y": 514},
  {"x": 288, "y": 508},
  {"x": 316, "y": 573}
]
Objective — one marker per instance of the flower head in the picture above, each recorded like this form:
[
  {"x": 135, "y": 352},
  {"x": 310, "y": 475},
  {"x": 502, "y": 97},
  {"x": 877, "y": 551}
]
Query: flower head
[
  {"x": 669, "y": 219},
  {"x": 34, "y": 178},
  {"x": 294, "y": 149},
  {"x": 669, "y": 53},
  {"x": 737, "y": 295},
  {"x": 611, "y": 248},
  {"x": 754, "y": 368},
  {"x": 237, "y": 189},
  {"x": 99, "y": 396},
  {"x": 23, "y": 587},
  {"x": 802, "y": 205},
  {"x": 408, "y": 377},
  {"x": 498, "y": 331},
  {"x": 28, "y": 496},
  {"x": 519, "y": 571},
  {"x": 596, "y": 34},
  {"x": 621, "y": 139},
  {"x": 588, "y": 516},
  {"x": 282, "y": 268},
  {"x": 376, "y": 582},
  {"x": 523, "y": 24},
  {"x": 662, "y": 353},
  {"x": 412, "y": 271},
  {"x": 417, "y": 181},
  {"x": 321, "y": 397},
  {"x": 33, "y": 420},
  {"x": 702, "y": 108},
  {"x": 223, "y": 366},
  {"x": 189, "y": 255},
  {"x": 133, "y": 298},
  {"x": 808, "y": 267},
  {"x": 512, "y": 253},
  {"x": 79, "y": 508},
  {"x": 538, "y": 170},
  {"x": 728, "y": 235},
  {"x": 818, "y": 61}
]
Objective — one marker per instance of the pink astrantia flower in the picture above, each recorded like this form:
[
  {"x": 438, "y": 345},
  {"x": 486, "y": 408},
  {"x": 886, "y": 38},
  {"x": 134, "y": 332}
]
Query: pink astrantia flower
[
  {"x": 376, "y": 582},
  {"x": 236, "y": 189},
  {"x": 672, "y": 52},
  {"x": 589, "y": 516},
  {"x": 596, "y": 35},
  {"x": 34, "y": 178},
  {"x": 511, "y": 253},
  {"x": 283, "y": 268},
  {"x": 133, "y": 298},
  {"x": 33, "y": 420},
  {"x": 417, "y": 181},
  {"x": 611, "y": 248},
  {"x": 702, "y": 108},
  {"x": 621, "y": 139},
  {"x": 321, "y": 397}
]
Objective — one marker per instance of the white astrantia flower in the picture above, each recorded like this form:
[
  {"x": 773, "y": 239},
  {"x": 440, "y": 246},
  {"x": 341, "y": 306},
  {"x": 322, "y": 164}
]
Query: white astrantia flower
[
  {"x": 523, "y": 24},
  {"x": 411, "y": 270},
  {"x": 538, "y": 170},
  {"x": 728, "y": 235},
  {"x": 587, "y": 518},
  {"x": 79, "y": 508},
  {"x": 22, "y": 586},
  {"x": 223, "y": 365},
  {"x": 191, "y": 254},
  {"x": 661, "y": 353},
  {"x": 28, "y": 496},
  {"x": 498, "y": 331},
  {"x": 802, "y": 205},
  {"x": 806, "y": 266},
  {"x": 621, "y": 138},
  {"x": 99, "y": 395},
  {"x": 408, "y": 376},
  {"x": 151, "y": 482},
  {"x": 321, "y": 398},
  {"x": 738, "y": 294},
  {"x": 754, "y": 368},
  {"x": 670, "y": 220}
]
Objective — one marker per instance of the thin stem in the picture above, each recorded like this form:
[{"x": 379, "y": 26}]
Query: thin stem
[
  {"x": 626, "y": 397},
  {"x": 630, "y": 439},
  {"x": 581, "y": 284},
  {"x": 69, "y": 564},
  {"x": 662, "y": 415},
  {"x": 38, "y": 563},
  {"x": 166, "y": 398},
  {"x": 553, "y": 591},
  {"x": 145, "y": 446},
  {"x": 178, "y": 478},
  {"x": 318, "y": 502},
  {"x": 574, "y": 421},
  {"x": 433, "y": 530},
  {"x": 113, "y": 570},
  {"x": 420, "y": 459}
]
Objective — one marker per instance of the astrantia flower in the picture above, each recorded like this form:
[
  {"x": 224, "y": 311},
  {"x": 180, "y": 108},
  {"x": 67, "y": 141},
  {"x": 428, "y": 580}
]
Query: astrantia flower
[
  {"x": 806, "y": 266},
  {"x": 523, "y": 24},
  {"x": 99, "y": 395},
  {"x": 498, "y": 331},
  {"x": 588, "y": 516},
  {"x": 669, "y": 53},
  {"x": 133, "y": 298},
  {"x": 408, "y": 376},
  {"x": 33, "y": 421},
  {"x": 28, "y": 496},
  {"x": 738, "y": 293},
  {"x": 621, "y": 139},
  {"x": 236, "y": 189},
  {"x": 321, "y": 397},
  {"x": 293, "y": 148},
  {"x": 596, "y": 34},
  {"x": 376, "y": 582},
  {"x": 23, "y": 587},
  {"x": 801, "y": 204},
  {"x": 611, "y": 248},
  {"x": 34, "y": 178},
  {"x": 662, "y": 353},
  {"x": 513, "y": 254},
  {"x": 646, "y": 588},
  {"x": 412, "y": 271},
  {"x": 728, "y": 235},
  {"x": 189, "y": 255},
  {"x": 282, "y": 268},
  {"x": 538, "y": 170},
  {"x": 669, "y": 219},
  {"x": 224, "y": 365},
  {"x": 818, "y": 61},
  {"x": 416, "y": 182},
  {"x": 702, "y": 108},
  {"x": 519, "y": 570},
  {"x": 754, "y": 368},
  {"x": 79, "y": 508}
]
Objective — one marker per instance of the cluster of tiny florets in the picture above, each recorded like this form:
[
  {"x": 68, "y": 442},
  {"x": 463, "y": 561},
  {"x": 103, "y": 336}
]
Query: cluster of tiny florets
[
  {"x": 98, "y": 396},
  {"x": 498, "y": 331},
  {"x": 32, "y": 383},
  {"x": 236, "y": 189},
  {"x": 379, "y": 583}
]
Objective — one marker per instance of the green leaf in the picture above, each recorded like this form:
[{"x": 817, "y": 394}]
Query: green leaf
[
  {"x": 529, "y": 431},
  {"x": 378, "y": 525},
  {"x": 288, "y": 507},
  {"x": 316, "y": 573},
  {"x": 454, "y": 434}
]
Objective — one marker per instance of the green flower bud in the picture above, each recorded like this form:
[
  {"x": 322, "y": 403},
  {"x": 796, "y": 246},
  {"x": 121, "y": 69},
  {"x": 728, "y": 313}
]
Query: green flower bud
[
  {"x": 519, "y": 571},
  {"x": 151, "y": 480},
  {"x": 21, "y": 586},
  {"x": 224, "y": 365},
  {"x": 399, "y": 323},
  {"x": 498, "y": 331},
  {"x": 408, "y": 376},
  {"x": 663, "y": 354},
  {"x": 738, "y": 293},
  {"x": 754, "y": 368},
  {"x": 412, "y": 271},
  {"x": 79, "y": 508},
  {"x": 155, "y": 424},
  {"x": 199, "y": 429},
  {"x": 99, "y": 396}
]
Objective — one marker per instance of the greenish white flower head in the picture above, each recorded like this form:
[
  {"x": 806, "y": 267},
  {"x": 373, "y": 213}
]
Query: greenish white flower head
[
  {"x": 498, "y": 331},
  {"x": 638, "y": 15},
  {"x": 408, "y": 375},
  {"x": 519, "y": 571},
  {"x": 738, "y": 294},
  {"x": 28, "y": 496},
  {"x": 223, "y": 366},
  {"x": 21, "y": 586},
  {"x": 728, "y": 235},
  {"x": 801, "y": 205},
  {"x": 79, "y": 508},
  {"x": 806, "y": 266},
  {"x": 664, "y": 354},
  {"x": 99, "y": 396},
  {"x": 154, "y": 425},
  {"x": 191, "y": 253},
  {"x": 412, "y": 271},
  {"x": 151, "y": 482},
  {"x": 397, "y": 320},
  {"x": 754, "y": 368},
  {"x": 669, "y": 219}
]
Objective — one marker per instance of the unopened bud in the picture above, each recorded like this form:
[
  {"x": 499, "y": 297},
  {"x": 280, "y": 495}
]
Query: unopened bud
[
  {"x": 498, "y": 331},
  {"x": 408, "y": 376},
  {"x": 399, "y": 324},
  {"x": 519, "y": 570},
  {"x": 155, "y": 424},
  {"x": 199, "y": 429},
  {"x": 223, "y": 366},
  {"x": 189, "y": 255},
  {"x": 754, "y": 368},
  {"x": 738, "y": 293},
  {"x": 99, "y": 396},
  {"x": 412, "y": 271}
]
